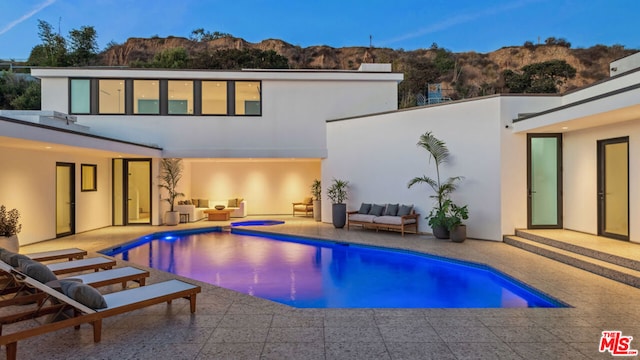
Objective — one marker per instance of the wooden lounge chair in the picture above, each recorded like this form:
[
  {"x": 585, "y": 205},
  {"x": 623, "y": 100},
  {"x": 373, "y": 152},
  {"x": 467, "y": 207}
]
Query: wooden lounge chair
[
  {"x": 113, "y": 276},
  {"x": 95, "y": 263},
  {"x": 117, "y": 303},
  {"x": 71, "y": 254}
]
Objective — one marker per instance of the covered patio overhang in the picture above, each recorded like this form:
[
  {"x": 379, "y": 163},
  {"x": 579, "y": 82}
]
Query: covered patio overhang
[{"x": 609, "y": 108}]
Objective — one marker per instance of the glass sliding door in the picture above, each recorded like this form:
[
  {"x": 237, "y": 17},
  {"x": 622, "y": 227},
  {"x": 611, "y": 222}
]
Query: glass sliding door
[
  {"x": 65, "y": 199},
  {"x": 613, "y": 188},
  {"x": 544, "y": 181}
]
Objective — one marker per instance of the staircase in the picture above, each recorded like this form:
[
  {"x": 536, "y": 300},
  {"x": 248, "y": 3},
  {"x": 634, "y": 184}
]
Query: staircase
[{"x": 619, "y": 268}]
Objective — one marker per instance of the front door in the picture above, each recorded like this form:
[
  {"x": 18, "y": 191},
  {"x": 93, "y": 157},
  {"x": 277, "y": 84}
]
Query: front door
[
  {"x": 613, "y": 188},
  {"x": 544, "y": 181},
  {"x": 65, "y": 199}
]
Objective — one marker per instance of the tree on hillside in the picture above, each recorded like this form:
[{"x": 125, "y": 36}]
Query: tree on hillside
[
  {"x": 17, "y": 92},
  {"x": 235, "y": 59},
  {"x": 81, "y": 51},
  {"x": 174, "y": 58},
  {"x": 200, "y": 35},
  {"x": 83, "y": 46},
  {"x": 544, "y": 77},
  {"x": 52, "y": 51}
]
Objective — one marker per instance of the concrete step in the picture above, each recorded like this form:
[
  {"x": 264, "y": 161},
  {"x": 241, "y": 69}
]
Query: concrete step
[
  {"x": 585, "y": 251},
  {"x": 603, "y": 268}
]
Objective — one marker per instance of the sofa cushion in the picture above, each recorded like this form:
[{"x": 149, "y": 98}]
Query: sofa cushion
[
  {"x": 404, "y": 210},
  {"x": 203, "y": 203},
  {"x": 376, "y": 210},
  {"x": 392, "y": 210},
  {"x": 308, "y": 200},
  {"x": 392, "y": 220},
  {"x": 362, "y": 217},
  {"x": 364, "y": 208}
]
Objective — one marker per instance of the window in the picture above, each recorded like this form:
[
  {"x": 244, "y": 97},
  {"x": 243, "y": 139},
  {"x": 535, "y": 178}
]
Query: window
[
  {"x": 248, "y": 98},
  {"x": 180, "y": 97},
  {"x": 214, "y": 98},
  {"x": 146, "y": 97},
  {"x": 80, "y": 96},
  {"x": 111, "y": 96},
  {"x": 89, "y": 176}
]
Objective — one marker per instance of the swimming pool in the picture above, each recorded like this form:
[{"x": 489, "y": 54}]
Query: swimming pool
[{"x": 309, "y": 273}]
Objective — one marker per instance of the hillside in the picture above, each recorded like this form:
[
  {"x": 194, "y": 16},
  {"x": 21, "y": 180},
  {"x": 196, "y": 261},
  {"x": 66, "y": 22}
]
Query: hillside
[{"x": 468, "y": 74}]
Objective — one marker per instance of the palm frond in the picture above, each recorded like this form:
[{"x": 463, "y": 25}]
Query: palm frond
[{"x": 436, "y": 147}]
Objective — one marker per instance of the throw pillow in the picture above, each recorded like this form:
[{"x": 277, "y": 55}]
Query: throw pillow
[
  {"x": 12, "y": 258},
  {"x": 239, "y": 201},
  {"x": 364, "y": 208},
  {"x": 404, "y": 210},
  {"x": 203, "y": 203},
  {"x": 376, "y": 210},
  {"x": 308, "y": 200},
  {"x": 232, "y": 203},
  {"x": 37, "y": 271},
  {"x": 392, "y": 210},
  {"x": 83, "y": 293}
]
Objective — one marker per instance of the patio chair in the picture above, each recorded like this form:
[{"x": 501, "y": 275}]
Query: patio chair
[
  {"x": 305, "y": 206},
  {"x": 115, "y": 303}
]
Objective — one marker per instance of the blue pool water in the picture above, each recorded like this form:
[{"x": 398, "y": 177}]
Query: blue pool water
[{"x": 320, "y": 274}]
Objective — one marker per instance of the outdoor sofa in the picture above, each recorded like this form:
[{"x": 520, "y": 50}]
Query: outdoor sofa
[{"x": 384, "y": 216}]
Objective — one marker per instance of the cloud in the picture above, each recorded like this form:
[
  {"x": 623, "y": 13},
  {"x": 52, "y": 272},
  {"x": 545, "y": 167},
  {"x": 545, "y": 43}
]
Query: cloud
[
  {"x": 26, "y": 16},
  {"x": 456, "y": 20}
]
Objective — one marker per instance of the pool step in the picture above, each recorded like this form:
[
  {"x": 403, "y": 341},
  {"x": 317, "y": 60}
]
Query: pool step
[{"x": 598, "y": 264}]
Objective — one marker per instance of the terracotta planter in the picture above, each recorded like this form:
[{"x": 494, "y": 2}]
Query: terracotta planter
[
  {"x": 10, "y": 243},
  {"x": 317, "y": 210},
  {"x": 459, "y": 233},
  {"x": 440, "y": 232},
  {"x": 339, "y": 215},
  {"x": 172, "y": 218}
]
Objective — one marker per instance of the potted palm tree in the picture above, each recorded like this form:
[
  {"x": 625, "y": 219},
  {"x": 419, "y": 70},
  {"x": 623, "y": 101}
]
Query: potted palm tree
[
  {"x": 170, "y": 175},
  {"x": 439, "y": 218},
  {"x": 9, "y": 229},
  {"x": 316, "y": 190},
  {"x": 337, "y": 193}
]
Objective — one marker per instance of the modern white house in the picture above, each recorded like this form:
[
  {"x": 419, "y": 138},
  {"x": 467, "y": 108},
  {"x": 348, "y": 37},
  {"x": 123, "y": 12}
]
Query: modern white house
[{"x": 90, "y": 158}]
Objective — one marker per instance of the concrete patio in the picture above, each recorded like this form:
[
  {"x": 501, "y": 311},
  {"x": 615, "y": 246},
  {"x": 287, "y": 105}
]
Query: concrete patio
[{"x": 230, "y": 325}]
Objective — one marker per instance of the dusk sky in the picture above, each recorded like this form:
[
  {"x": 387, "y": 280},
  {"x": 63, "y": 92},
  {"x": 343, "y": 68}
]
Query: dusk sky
[{"x": 466, "y": 25}]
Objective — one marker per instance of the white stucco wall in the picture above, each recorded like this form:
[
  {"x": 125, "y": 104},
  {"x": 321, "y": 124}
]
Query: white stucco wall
[
  {"x": 29, "y": 182},
  {"x": 580, "y": 176},
  {"x": 378, "y": 156},
  {"x": 295, "y": 106}
]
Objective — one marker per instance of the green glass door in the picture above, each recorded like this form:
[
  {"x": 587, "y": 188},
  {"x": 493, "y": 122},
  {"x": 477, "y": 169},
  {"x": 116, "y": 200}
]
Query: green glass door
[
  {"x": 613, "y": 188},
  {"x": 544, "y": 181}
]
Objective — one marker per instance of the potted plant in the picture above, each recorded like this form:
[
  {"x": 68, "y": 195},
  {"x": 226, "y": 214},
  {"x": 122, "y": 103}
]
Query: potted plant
[
  {"x": 439, "y": 216},
  {"x": 170, "y": 175},
  {"x": 316, "y": 190},
  {"x": 9, "y": 229},
  {"x": 337, "y": 193},
  {"x": 457, "y": 230}
]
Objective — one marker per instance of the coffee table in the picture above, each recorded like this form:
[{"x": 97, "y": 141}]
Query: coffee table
[{"x": 218, "y": 215}]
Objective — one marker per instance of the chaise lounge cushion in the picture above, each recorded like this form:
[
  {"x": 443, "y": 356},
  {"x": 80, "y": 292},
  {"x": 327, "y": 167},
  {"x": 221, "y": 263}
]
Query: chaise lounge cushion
[
  {"x": 392, "y": 220},
  {"x": 83, "y": 293}
]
